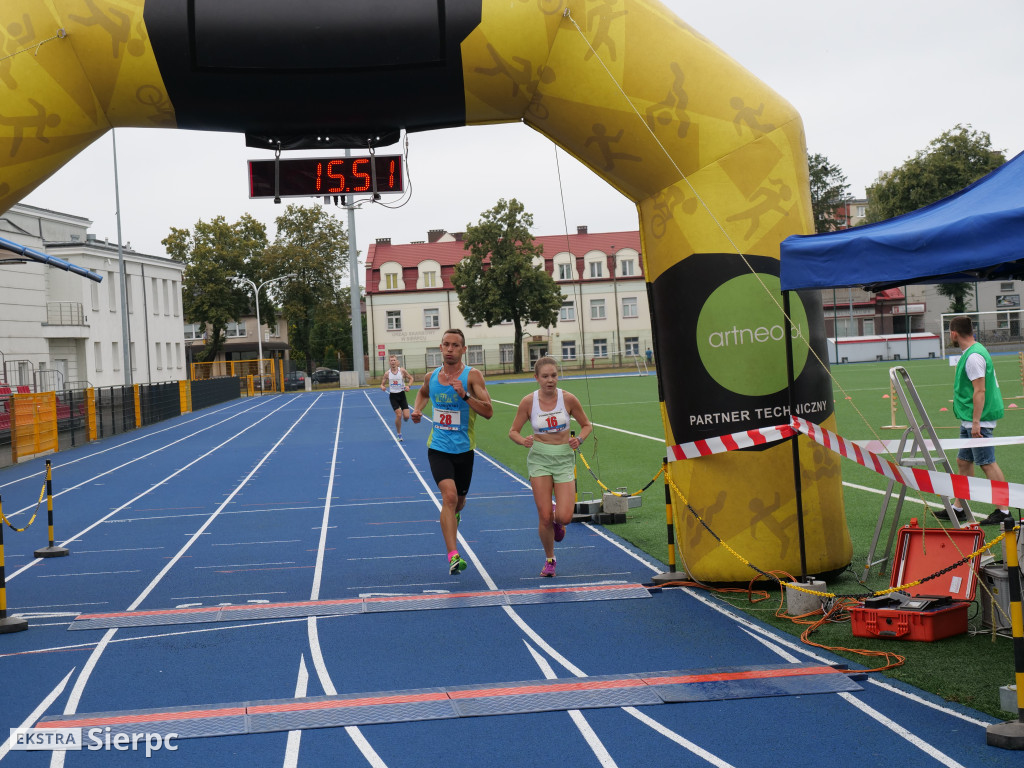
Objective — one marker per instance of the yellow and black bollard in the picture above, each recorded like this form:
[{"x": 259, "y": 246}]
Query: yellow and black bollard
[
  {"x": 50, "y": 551},
  {"x": 1010, "y": 735},
  {"x": 671, "y": 575},
  {"x": 7, "y": 624}
]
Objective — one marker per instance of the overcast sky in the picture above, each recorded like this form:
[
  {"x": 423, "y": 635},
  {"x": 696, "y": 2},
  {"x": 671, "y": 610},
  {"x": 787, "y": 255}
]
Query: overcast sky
[{"x": 874, "y": 82}]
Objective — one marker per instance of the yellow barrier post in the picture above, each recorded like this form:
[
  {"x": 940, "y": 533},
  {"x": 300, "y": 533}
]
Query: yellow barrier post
[
  {"x": 7, "y": 624},
  {"x": 1010, "y": 735},
  {"x": 138, "y": 405},
  {"x": 50, "y": 551},
  {"x": 671, "y": 575},
  {"x": 90, "y": 412}
]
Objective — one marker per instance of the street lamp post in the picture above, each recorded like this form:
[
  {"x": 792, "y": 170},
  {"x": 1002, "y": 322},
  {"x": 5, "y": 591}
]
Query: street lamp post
[{"x": 259, "y": 326}]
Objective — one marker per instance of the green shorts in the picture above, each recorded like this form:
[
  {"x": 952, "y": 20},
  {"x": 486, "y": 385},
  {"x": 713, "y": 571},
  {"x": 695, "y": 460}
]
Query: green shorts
[{"x": 556, "y": 461}]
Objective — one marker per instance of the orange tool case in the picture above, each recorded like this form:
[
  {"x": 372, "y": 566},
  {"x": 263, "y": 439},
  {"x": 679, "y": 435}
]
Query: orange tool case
[{"x": 936, "y": 608}]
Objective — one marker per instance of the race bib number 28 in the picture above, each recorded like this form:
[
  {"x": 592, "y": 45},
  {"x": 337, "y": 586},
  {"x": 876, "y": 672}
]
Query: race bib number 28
[{"x": 450, "y": 420}]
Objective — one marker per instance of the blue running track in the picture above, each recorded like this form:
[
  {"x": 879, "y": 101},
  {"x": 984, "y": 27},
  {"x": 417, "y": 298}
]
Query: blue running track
[{"x": 309, "y": 498}]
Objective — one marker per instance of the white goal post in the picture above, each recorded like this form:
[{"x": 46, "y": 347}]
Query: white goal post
[{"x": 1000, "y": 326}]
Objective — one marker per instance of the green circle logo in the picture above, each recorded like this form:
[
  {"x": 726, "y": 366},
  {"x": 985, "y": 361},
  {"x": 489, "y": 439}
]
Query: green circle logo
[{"x": 741, "y": 335}]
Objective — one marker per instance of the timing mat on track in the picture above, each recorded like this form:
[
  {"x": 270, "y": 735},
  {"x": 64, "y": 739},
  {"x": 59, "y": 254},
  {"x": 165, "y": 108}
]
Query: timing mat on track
[
  {"x": 345, "y": 607},
  {"x": 355, "y": 709}
]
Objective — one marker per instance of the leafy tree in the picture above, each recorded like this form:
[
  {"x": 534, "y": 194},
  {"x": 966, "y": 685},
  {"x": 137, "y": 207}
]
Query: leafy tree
[
  {"x": 213, "y": 252},
  {"x": 331, "y": 334},
  {"x": 313, "y": 246},
  {"x": 957, "y": 293},
  {"x": 954, "y": 160},
  {"x": 498, "y": 281},
  {"x": 829, "y": 191},
  {"x": 951, "y": 162}
]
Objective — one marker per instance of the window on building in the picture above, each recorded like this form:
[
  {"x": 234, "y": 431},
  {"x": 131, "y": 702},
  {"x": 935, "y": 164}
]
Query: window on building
[
  {"x": 475, "y": 354},
  {"x": 193, "y": 331},
  {"x": 1006, "y": 286},
  {"x": 600, "y": 347},
  {"x": 97, "y": 353},
  {"x": 394, "y": 319},
  {"x": 862, "y": 211},
  {"x": 94, "y": 292},
  {"x": 431, "y": 318},
  {"x": 629, "y": 306},
  {"x": 167, "y": 298},
  {"x": 596, "y": 269},
  {"x": 131, "y": 355},
  {"x": 568, "y": 350},
  {"x": 506, "y": 353},
  {"x": 597, "y": 311},
  {"x": 390, "y": 281},
  {"x": 568, "y": 312},
  {"x": 235, "y": 330},
  {"x": 155, "y": 296},
  {"x": 627, "y": 268},
  {"x": 632, "y": 345},
  {"x": 430, "y": 279},
  {"x": 128, "y": 293},
  {"x": 175, "y": 297},
  {"x": 115, "y": 356},
  {"x": 111, "y": 293},
  {"x": 159, "y": 357},
  {"x": 433, "y": 358},
  {"x": 177, "y": 354},
  {"x": 167, "y": 354},
  {"x": 565, "y": 271}
]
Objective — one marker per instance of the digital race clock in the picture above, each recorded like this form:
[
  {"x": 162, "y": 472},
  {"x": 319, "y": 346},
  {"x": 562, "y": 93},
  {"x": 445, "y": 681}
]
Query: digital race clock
[{"x": 313, "y": 177}]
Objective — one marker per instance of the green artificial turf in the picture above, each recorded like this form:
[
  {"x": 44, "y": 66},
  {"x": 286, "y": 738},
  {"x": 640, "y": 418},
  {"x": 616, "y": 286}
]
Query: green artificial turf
[{"x": 627, "y": 451}]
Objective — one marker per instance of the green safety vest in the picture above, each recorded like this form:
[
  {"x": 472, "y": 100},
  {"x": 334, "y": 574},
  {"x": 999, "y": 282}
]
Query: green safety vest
[{"x": 963, "y": 389}]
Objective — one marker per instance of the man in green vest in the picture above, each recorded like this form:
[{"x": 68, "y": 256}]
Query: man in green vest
[{"x": 978, "y": 404}]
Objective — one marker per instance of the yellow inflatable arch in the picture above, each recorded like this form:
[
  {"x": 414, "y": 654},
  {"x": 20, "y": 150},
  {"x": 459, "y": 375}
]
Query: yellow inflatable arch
[{"x": 714, "y": 160}]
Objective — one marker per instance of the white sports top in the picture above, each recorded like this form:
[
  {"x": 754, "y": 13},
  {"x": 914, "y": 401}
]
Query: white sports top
[
  {"x": 549, "y": 421},
  {"x": 396, "y": 381}
]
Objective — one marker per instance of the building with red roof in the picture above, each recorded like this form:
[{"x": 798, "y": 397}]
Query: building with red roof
[{"x": 604, "y": 321}]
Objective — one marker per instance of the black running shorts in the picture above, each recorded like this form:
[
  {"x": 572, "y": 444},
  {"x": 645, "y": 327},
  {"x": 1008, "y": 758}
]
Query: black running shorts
[{"x": 452, "y": 466}]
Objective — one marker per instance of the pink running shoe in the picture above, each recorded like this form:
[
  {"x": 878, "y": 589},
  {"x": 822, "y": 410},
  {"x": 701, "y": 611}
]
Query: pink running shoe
[
  {"x": 549, "y": 568},
  {"x": 559, "y": 531}
]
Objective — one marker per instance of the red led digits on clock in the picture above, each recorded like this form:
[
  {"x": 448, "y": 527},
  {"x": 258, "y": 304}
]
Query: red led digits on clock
[
  {"x": 340, "y": 177},
  {"x": 391, "y": 175},
  {"x": 361, "y": 174}
]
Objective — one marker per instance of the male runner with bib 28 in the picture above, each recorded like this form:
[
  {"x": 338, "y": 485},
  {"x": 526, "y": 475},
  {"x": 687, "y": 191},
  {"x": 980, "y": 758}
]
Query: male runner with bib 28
[{"x": 457, "y": 393}]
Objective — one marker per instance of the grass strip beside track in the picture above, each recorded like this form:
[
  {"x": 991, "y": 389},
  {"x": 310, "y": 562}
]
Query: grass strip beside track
[{"x": 967, "y": 669}]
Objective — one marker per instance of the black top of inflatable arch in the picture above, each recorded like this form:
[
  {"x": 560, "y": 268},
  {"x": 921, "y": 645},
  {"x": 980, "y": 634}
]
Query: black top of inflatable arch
[{"x": 276, "y": 70}]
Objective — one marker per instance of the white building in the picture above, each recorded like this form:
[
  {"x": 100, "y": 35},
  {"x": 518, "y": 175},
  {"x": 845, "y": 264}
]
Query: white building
[
  {"x": 604, "y": 321},
  {"x": 61, "y": 330}
]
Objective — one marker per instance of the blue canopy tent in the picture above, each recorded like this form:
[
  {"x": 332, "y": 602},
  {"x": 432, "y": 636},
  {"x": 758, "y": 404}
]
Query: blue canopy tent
[{"x": 975, "y": 234}]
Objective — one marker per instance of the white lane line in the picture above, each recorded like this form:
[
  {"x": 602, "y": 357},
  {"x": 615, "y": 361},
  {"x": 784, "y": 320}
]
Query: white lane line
[
  {"x": 83, "y": 678},
  {"x": 146, "y": 436},
  {"x": 311, "y": 626},
  {"x": 252, "y": 543},
  {"x": 604, "y": 758},
  {"x": 700, "y": 752},
  {"x": 390, "y": 535},
  {"x": 84, "y": 573},
  {"x": 33, "y": 718},
  {"x": 152, "y": 488},
  {"x": 291, "y": 749},
  {"x": 391, "y": 557},
  {"x": 236, "y": 594},
  {"x": 123, "y": 549},
  {"x": 94, "y": 478},
  {"x": 243, "y": 565}
]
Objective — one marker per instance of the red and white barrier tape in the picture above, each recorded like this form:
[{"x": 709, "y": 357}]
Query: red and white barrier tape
[
  {"x": 732, "y": 442},
  {"x": 1002, "y": 494}
]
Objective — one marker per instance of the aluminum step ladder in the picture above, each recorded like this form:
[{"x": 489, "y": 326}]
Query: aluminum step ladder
[{"x": 918, "y": 446}]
